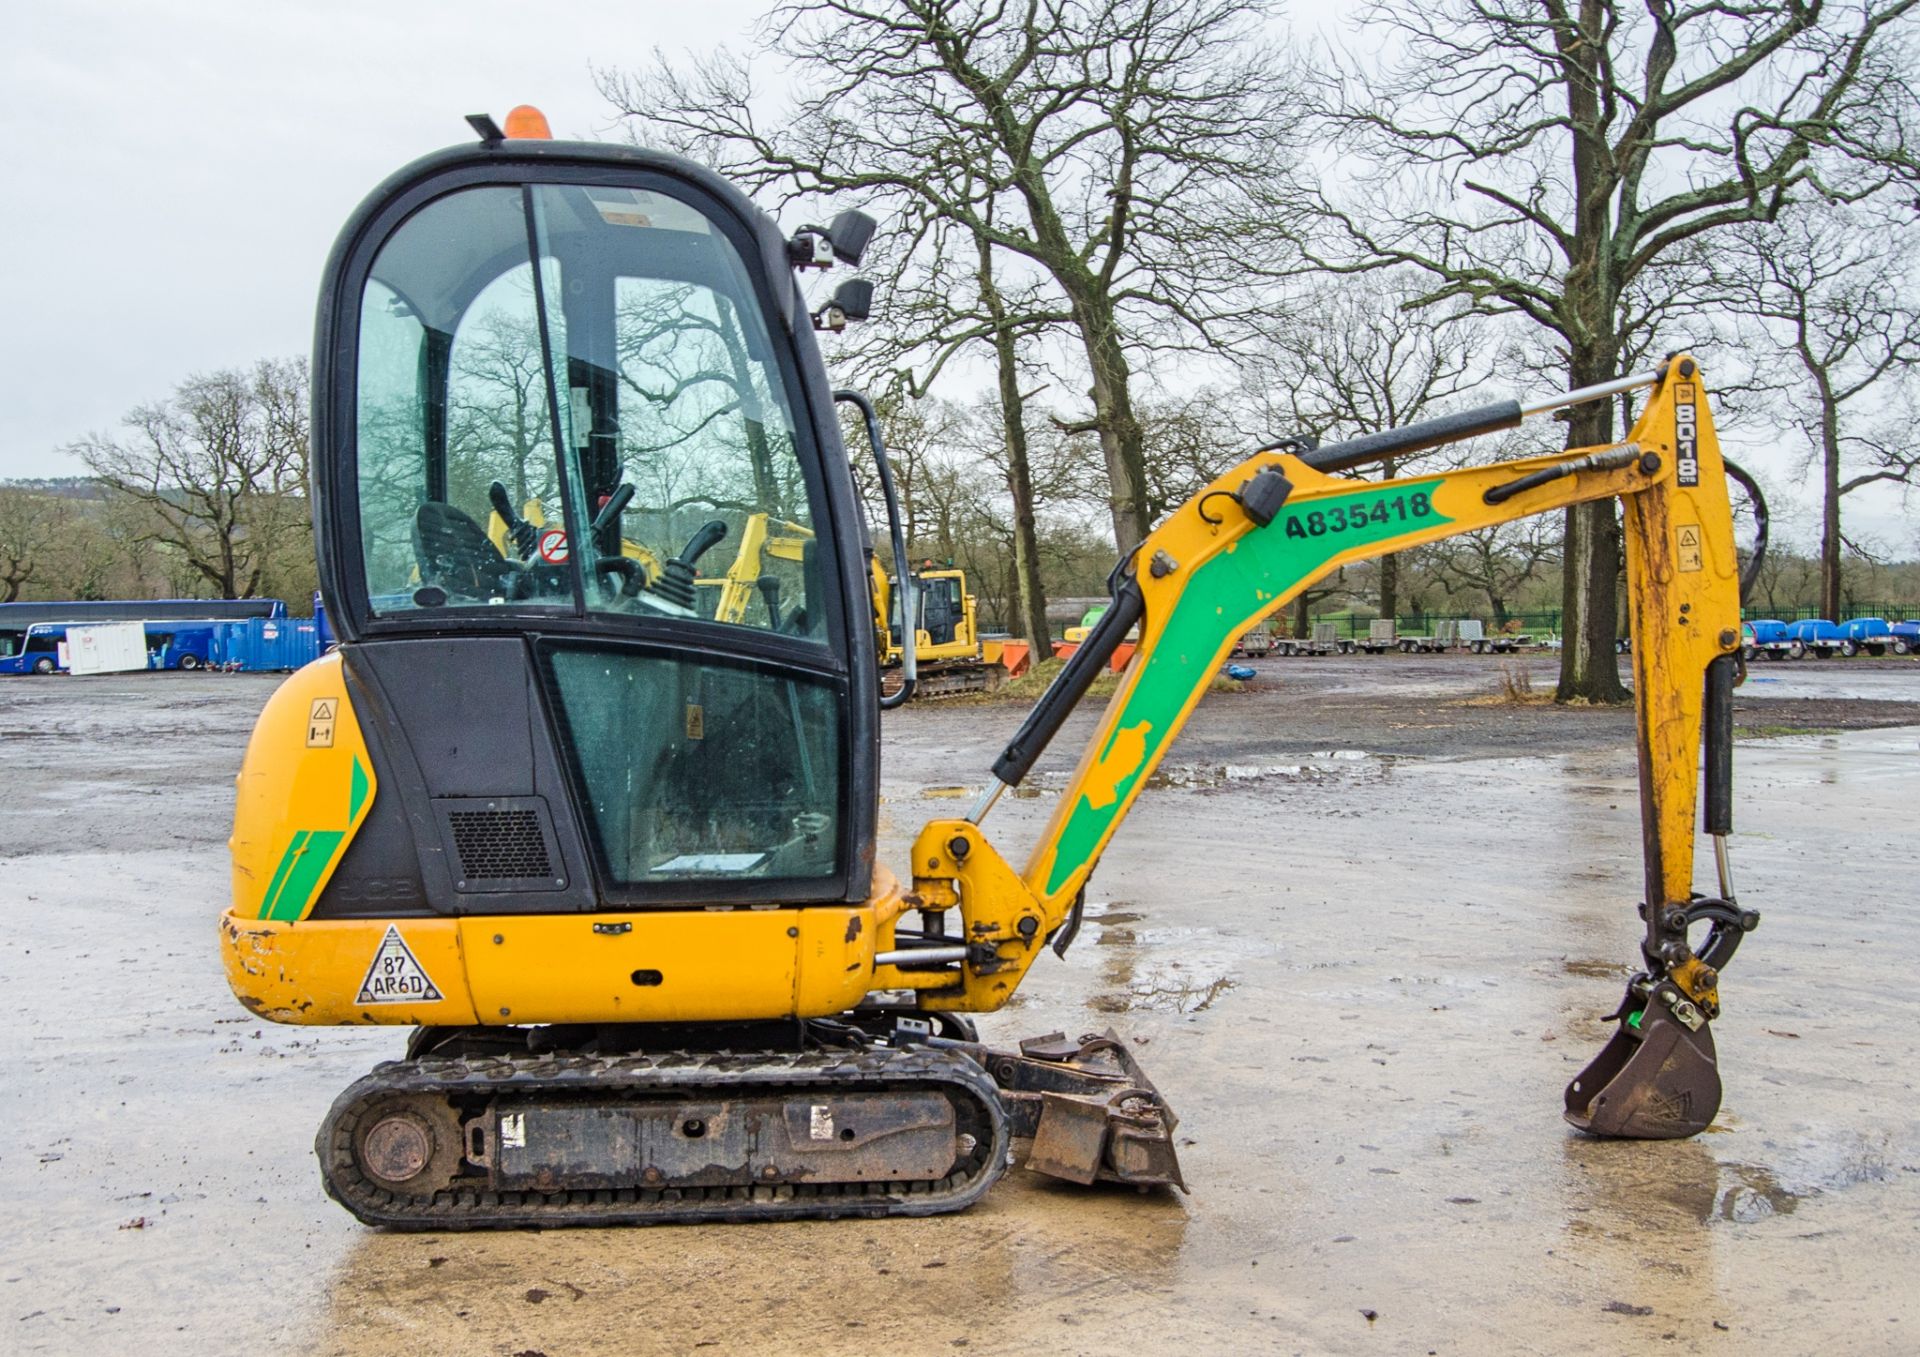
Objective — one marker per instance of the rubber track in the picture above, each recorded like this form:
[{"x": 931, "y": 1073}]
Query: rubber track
[{"x": 475, "y": 1079}]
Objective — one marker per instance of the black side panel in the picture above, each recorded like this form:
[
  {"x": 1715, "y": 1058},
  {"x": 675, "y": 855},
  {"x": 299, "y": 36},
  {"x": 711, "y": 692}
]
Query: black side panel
[{"x": 462, "y": 755}]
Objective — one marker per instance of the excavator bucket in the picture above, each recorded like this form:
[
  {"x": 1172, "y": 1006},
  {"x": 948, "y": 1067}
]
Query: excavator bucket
[{"x": 1657, "y": 1079}]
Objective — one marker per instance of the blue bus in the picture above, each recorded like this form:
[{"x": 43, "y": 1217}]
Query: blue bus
[
  {"x": 188, "y": 644},
  {"x": 16, "y": 618}
]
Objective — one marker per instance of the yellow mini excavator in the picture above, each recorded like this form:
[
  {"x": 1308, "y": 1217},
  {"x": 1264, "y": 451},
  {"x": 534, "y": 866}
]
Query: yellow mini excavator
[
  {"x": 608, "y": 849},
  {"x": 950, "y": 657}
]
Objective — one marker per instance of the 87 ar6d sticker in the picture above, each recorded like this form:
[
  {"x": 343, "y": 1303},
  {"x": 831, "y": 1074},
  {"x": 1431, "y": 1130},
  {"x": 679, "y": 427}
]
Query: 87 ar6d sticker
[{"x": 396, "y": 975}]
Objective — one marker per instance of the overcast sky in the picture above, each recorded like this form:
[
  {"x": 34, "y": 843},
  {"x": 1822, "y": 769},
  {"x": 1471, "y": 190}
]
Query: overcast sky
[{"x": 177, "y": 169}]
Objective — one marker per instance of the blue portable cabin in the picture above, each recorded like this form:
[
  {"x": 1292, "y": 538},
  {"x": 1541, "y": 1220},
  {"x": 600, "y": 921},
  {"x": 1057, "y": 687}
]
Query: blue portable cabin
[{"x": 267, "y": 644}]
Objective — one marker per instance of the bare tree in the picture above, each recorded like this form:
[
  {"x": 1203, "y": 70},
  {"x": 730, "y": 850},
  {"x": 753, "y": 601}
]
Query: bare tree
[
  {"x": 1130, "y": 151},
  {"x": 32, "y": 526},
  {"x": 945, "y": 294},
  {"x": 1497, "y": 561},
  {"x": 1550, "y": 154},
  {"x": 1832, "y": 291},
  {"x": 1357, "y": 358},
  {"x": 219, "y": 470}
]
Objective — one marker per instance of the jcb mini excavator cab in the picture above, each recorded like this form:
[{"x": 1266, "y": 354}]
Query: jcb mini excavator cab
[{"x": 605, "y": 839}]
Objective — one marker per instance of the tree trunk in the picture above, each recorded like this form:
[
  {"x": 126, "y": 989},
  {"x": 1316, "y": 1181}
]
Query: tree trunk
[
  {"x": 1389, "y": 564},
  {"x": 1302, "y": 626},
  {"x": 1122, "y": 443},
  {"x": 1030, "y": 596},
  {"x": 1590, "y": 320},
  {"x": 1830, "y": 545},
  {"x": 1590, "y": 598}
]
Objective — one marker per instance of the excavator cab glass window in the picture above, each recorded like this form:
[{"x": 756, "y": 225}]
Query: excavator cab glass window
[
  {"x": 568, "y": 400},
  {"x": 572, "y": 420}
]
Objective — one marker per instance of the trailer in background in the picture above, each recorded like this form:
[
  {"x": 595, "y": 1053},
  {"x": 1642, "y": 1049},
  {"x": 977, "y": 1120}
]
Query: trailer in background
[
  {"x": 1445, "y": 635},
  {"x": 1325, "y": 640},
  {"x": 1473, "y": 636},
  {"x": 1382, "y": 635},
  {"x": 1871, "y": 634},
  {"x": 1815, "y": 636},
  {"x": 1767, "y": 636},
  {"x": 1255, "y": 643}
]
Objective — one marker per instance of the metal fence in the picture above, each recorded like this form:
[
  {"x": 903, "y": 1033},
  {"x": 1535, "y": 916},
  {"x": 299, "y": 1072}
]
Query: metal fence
[{"x": 1546, "y": 622}]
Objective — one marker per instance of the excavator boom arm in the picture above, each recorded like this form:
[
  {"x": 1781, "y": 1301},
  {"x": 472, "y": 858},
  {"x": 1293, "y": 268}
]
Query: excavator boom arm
[{"x": 1254, "y": 538}]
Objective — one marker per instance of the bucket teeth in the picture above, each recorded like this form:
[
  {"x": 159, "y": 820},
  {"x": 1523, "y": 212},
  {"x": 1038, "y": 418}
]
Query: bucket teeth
[{"x": 1656, "y": 1079}]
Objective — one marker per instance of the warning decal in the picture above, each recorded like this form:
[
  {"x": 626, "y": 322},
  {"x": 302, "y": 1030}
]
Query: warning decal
[
  {"x": 1688, "y": 546},
  {"x": 553, "y": 546},
  {"x": 396, "y": 977},
  {"x": 320, "y": 722}
]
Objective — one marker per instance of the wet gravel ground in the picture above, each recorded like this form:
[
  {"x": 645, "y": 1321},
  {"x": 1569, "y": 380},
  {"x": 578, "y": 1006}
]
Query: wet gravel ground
[{"x": 1361, "y": 933}]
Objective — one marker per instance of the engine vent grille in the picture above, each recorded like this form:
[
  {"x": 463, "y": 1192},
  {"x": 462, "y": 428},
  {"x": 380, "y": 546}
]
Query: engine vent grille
[{"x": 500, "y": 844}]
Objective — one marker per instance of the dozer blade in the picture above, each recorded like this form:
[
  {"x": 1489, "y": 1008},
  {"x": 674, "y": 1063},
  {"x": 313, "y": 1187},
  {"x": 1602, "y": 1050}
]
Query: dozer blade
[
  {"x": 1089, "y": 1109},
  {"x": 1656, "y": 1079}
]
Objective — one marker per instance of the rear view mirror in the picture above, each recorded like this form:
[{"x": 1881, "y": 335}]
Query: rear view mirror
[
  {"x": 849, "y": 233},
  {"x": 854, "y": 298},
  {"x": 851, "y": 301}
]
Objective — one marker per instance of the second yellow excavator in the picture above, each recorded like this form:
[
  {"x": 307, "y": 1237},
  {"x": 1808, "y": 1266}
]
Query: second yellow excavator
[{"x": 608, "y": 852}]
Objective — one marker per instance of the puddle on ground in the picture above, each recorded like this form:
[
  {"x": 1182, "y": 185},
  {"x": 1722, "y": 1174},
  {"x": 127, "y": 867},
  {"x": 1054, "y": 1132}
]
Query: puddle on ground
[
  {"x": 1181, "y": 970},
  {"x": 1322, "y": 766},
  {"x": 1743, "y": 1192},
  {"x": 1164, "y": 990},
  {"x": 1754, "y": 1195}
]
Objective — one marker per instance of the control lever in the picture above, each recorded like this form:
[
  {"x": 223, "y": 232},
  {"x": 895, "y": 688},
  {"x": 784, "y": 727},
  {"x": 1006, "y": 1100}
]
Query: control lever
[
  {"x": 616, "y": 505},
  {"x": 675, "y": 584},
  {"x": 521, "y": 533},
  {"x": 770, "y": 591}
]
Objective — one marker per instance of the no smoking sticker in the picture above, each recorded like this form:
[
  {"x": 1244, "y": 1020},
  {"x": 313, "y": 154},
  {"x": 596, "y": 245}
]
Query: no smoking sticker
[
  {"x": 396, "y": 976},
  {"x": 553, "y": 546}
]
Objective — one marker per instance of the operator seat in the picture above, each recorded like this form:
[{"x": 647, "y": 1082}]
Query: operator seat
[{"x": 456, "y": 555}]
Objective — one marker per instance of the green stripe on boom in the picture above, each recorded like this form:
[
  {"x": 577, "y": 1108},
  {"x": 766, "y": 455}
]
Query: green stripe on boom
[{"x": 1265, "y": 565}]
